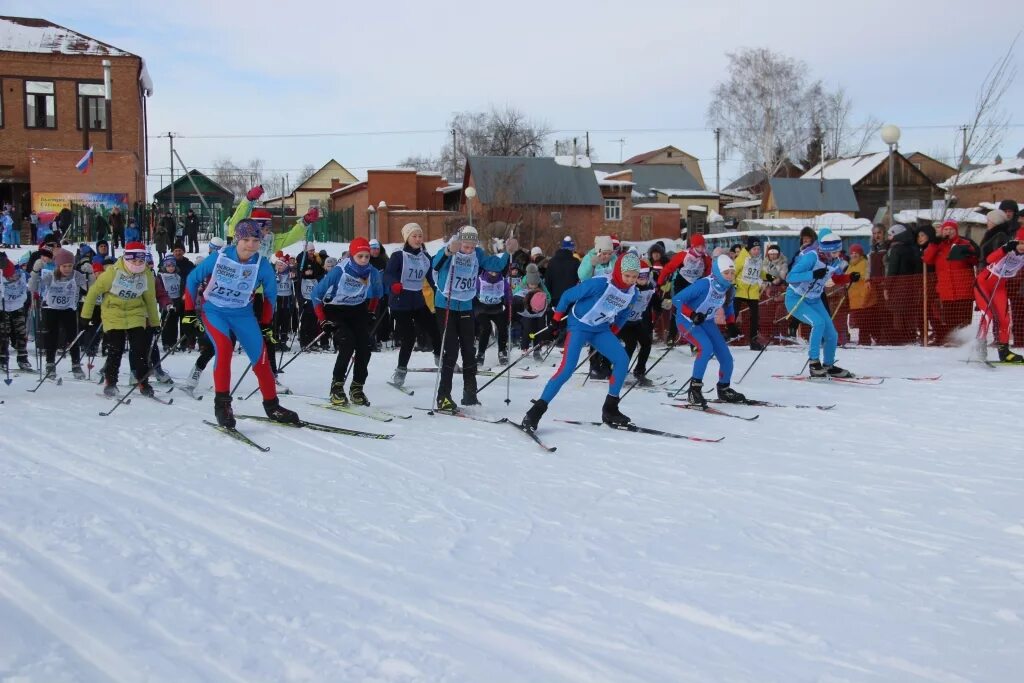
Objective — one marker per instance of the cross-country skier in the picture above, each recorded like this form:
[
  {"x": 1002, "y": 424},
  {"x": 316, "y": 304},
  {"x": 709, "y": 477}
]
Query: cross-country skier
[
  {"x": 492, "y": 300},
  {"x": 639, "y": 327},
  {"x": 404, "y": 276},
  {"x": 234, "y": 274},
  {"x": 343, "y": 302},
  {"x": 59, "y": 291},
  {"x": 13, "y": 321},
  {"x": 596, "y": 310},
  {"x": 1004, "y": 263}
]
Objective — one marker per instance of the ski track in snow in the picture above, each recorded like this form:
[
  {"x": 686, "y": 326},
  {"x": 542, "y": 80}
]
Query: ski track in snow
[{"x": 879, "y": 541}]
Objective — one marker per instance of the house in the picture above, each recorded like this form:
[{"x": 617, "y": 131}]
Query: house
[
  {"x": 806, "y": 198},
  {"x": 389, "y": 198},
  {"x": 869, "y": 176},
  {"x": 936, "y": 171},
  {"x": 670, "y": 184},
  {"x": 545, "y": 198},
  {"x": 314, "y": 191},
  {"x": 992, "y": 183},
  {"x": 212, "y": 207},
  {"x": 53, "y": 109},
  {"x": 753, "y": 184},
  {"x": 671, "y": 156}
]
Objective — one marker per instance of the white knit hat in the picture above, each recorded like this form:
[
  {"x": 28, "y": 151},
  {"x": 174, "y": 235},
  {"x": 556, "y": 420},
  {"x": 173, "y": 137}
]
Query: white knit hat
[
  {"x": 468, "y": 234},
  {"x": 536, "y": 251},
  {"x": 603, "y": 243},
  {"x": 409, "y": 228}
]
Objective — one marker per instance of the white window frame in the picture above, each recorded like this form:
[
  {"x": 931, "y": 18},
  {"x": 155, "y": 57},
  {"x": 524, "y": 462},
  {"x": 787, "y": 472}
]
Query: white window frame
[
  {"x": 613, "y": 209},
  {"x": 42, "y": 92},
  {"x": 314, "y": 203}
]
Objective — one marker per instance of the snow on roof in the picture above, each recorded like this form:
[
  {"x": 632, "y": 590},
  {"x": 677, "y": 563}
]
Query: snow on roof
[
  {"x": 581, "y": 160},
  {"x": 605, "y": 180},
  {"x": 715, "y": 217},
  {"x": 1012, "y": 169},
  {"x": 656, "y": 205},
  {"x": 24, "y": 34},
  {"x": 449, "y": 188},
  {"x": 958, "y": 215},
  {"x": 696, "y": 207},
  {"x": 749, "y": 204},
  {"x": 836, "y": 221},
  {"x": 853, "y": 169},
  {"x": 675, "y": 192}
]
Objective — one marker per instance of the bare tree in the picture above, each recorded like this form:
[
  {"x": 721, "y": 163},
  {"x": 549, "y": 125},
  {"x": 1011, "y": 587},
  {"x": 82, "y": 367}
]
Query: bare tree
[
  {"x": 498, "y": 132},
  {"x": 766, "y": 108},
  {"x": 564, "y": 147},
  {"x": 422, "y": 163},
  {"x": 989, "y": 121},
  {"x": 235, "y": 177}
]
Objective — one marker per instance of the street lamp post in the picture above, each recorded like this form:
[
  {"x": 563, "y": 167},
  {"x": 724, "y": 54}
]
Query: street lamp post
[
  {"x": 891, "y": 136},
  {"x": 107, "y": 103},
  {"x": 470, "y": 194}
]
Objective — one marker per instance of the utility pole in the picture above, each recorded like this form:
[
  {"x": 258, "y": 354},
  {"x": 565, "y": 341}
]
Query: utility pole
[
  {"x": 455, "y": 155},
  {"x": 821, "y": 165},
  {"x": 621, "y": 141},
  {"x": 718, "y": 159},
  {"x": 588, "y": 144},
  {"x": 963, "y": 156},
  {"x": 174, "y": 206}
]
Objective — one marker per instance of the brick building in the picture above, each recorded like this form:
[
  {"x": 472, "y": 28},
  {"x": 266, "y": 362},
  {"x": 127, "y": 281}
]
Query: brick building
[
  {"x": 992, "y": 183},
  {"x": 52, "y": 108}
]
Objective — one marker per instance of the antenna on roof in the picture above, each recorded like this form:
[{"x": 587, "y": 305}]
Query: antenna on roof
[{"x": 622, "y": 142}]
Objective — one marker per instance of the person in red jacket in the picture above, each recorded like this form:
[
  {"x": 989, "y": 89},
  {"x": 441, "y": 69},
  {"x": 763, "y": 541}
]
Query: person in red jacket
[
  {"x": 990, "y": 294},
  {"x": 954, "y": 259},
  {"x": 692, "y": 264}
]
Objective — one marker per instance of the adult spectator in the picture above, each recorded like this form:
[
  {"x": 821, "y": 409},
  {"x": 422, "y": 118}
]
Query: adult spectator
[
  {"x": 192, "y": 231},
  {"x": 182, "y": 264},
  {"x": 65, "y": 219},
  {"x": 516, "y": 255},
  {"x": 562, "y": 270},
  {"x": 902, "y": 291},
  {"x": 954, "y": 259},
  {"x": 117, "y": 227},
  {"x": 161, "y": 239}
]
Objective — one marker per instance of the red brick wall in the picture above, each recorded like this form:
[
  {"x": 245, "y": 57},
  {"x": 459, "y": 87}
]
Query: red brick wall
[
  {"x": 396, "y": 187},
  {"x": 53, "y": 170},
  {"x": 664, "y": 223},
  {"x": 426, "y": 195},
  {"x": 972, "y": 195},
  {"x": 435, "y": 224},
  {"x": 65, "y": 71},
  {"x": 357, "y": 200}
]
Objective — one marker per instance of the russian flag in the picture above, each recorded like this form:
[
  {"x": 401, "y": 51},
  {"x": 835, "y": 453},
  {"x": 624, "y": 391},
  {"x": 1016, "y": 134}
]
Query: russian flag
[{"x": 85, "y": 163}]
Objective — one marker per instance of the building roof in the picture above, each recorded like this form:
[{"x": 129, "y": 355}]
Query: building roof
[
  {"x": 797, "y": 194},
  {"x": 25, "y": 34},
  {"x": 748, "y": 179},
  {"x": 533, "y": 180},
  {"x": 182, "y": 186},
  {"x": 993, "y": 173},
  {"x": 854, "y": 169},
  {"x": 644, "y": 156},
  {"x": 665, "y": 177}
]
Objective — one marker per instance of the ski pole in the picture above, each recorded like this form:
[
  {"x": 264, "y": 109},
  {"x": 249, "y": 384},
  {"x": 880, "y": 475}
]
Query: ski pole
[
  {"x": 89, "y": 365},
  {"x": 789, "y": 314},
  {"x": 352, "y": 360},
  {"x": 135, "y": 386},
  {"x": 7, "y": 365},
  {"x": 240, "y": 378},
  {"x": 447, "y": 314},
  {"x": 307, "y": 347},
  {"x": 668, "y": 348},
  {"x": 66, "y": 351},
  {"x": 526, "y": 353},
  {"x": 753, "y": 362}
]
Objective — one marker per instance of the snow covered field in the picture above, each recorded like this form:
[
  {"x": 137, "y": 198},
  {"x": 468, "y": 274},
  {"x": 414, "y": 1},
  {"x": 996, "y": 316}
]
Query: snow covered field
[{"x": 879, "y": 541}]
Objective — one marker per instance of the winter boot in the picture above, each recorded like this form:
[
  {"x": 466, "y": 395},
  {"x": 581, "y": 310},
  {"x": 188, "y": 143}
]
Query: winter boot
[
  {"x": 222, "y": 410},
  {"x": 503, "y": 357},
  {"x": 146, "y": 389},
  {"x": 480, "y": 360},
  {"x": 817, "y": 369},
  {"x": 756, "y": 345},
  {"x": 77, "y": 372},
  {"x": 358, "y": 397},
  {"x": 469, "y": 398},
  {"x": 695, "y": 394},
  {"x": 537, "y": 355},
  {"x": 730, "y": 395},
  {"x": 398, "y": 379},
  {"x": 610, "y": 414},
  {"x": 534, "y": 414},
  {"x": 836, "y": 371},
  {"x": 24, "y": 365},
  {"x": 278, "y": 413},
  {"x": 338, "y": 397},
  {"x": 162, "y": 377},
  {"x": 641, "y": 379},
  {"x": 445, "y": 404},
  {"x": 110, "y": 389},
  {"x": 1008, "y": 356}
]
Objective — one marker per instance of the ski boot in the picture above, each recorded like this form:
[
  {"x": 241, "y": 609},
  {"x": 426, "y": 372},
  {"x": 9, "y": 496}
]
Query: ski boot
[
  {"x": 193, "y": 379},
  {"x": 610, "y": 414},
  {"x": 77, "y": 372},
  {"x": 162, "y": 377},
  {"x": 534, "y": 414},
  {"x": 24, "y": 365},
  {"x": 398, "y": 379},
  {"x": 3, "y": 365},
  {"x": 338, "y": 397},
  {"x": 1008, "y": 356},
  {"x": 50, "y": 372},
  {"x": 756, "y": 346},
  {"x": 480, "y": 360},
  {"x": 836, "y": 371},
  {"x": 470, "y": 399},
  {"x": 445, "y": 404},
  {"x": 110, "y": 389},
  {"x": 641, "y": 379},
  {"x": 503, "y": 357},
  {"x": 730, "y": 395},
  {"x": 222, "y": 410},
  {"x": 695, "y": 394},
  {"x": 817, "y": 369},
  {"x": 358, "y": 396},
  {"x": 278, "y": 413},
  {"x": 537, "y": 355},
  {"x": 599, "y": 373},
  {"x": 146, "y": 389}
]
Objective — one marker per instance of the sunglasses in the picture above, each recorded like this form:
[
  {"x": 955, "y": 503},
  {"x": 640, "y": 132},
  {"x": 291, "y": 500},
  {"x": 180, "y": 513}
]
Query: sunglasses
[{"x": 134, "y": 257}]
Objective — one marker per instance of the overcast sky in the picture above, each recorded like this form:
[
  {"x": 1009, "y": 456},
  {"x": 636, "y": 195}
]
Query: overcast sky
[{"x": 223, "y": 67}]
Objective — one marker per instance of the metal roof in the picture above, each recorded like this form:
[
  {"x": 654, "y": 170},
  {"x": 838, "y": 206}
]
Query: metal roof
[
  {"x": 798, "y": 194},
  {"x": 533, "y": 180},
  {"x": 647, "y": 177}
]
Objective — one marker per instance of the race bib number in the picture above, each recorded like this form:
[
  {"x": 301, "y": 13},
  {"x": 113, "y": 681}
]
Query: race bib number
[
  {"x": 751, "y": 274},
  {"x": 604, "y": 310},
  {"x": 14, "y": 293},
  {"x": 172, "y": 284},
  {"x": 463, "y": 272},
  {"x": 232, "y": 283},
  {"x": 349, "y": 291},
  {"x": 492, "y": 293},
  {"x": 639, "y": 306},
  {"x": 128, "y": 286},
  {"x": 307, "y": 287},
  {"x": 414, "y": 269},
  {"x": 62, "y": 294}
]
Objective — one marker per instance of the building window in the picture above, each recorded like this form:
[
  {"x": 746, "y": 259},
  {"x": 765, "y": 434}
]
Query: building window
[
  {"x": 613, "y": 209},
  {"x": 40, "y": 104},
  {"x": 556, "y": 219},
  {"x": 91, "y": 100},
  {"x": 314, "y": 203}
]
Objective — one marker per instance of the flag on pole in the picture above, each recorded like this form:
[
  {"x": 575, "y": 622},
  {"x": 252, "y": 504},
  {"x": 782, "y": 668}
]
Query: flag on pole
[{"x": 85, "y": 163}]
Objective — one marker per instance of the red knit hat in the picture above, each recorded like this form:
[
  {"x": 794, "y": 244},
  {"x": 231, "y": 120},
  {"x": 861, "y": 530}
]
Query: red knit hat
[
  {"x": 260, "y": 215},
  {"x": 950, "y": 224},
  {"x": 697, "y": 240},
  {"x": 135, "y": 247},
  {"x": 1020, "y": 235},
  {"x": 358, "y": 245},
  {"x": 857, "y": 249}
]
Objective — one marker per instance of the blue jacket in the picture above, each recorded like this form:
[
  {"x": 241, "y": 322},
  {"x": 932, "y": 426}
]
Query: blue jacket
[
  {"x": 706, "y": 296},
  {"x": 265, "y": 278},
  {"x": 582, "y": 297},
  {"x": 327, "y": 288},
  {"x": 408, "y": 299},
  {"x": 442, "y": 263},
  {"x": 132, "y": 234}
]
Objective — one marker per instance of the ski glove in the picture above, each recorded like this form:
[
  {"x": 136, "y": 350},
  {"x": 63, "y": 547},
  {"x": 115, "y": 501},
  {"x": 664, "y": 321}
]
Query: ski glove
[
  {"x": 312, "y": 216},
  {"x": 268, "y": 334},
  {"x": 819, "y": 273},
  {"x": 84, "y": 323},
  {"x": 255, "y": 193},
  {"x": 190, "y": 319},
  {"x": 328, "y": 326},
  {"x": 733, "y": 330},
  {"x": 396, "y": 288},
  {"x": 854, "y": 277},
  {"x": 1010, "y": 246},
  {"x": 698, "y": 318},
  {"x": 666, "y": 304}
]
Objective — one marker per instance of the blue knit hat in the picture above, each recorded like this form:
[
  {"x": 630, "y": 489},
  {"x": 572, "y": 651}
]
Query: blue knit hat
[{"x": 567, "y": 242}]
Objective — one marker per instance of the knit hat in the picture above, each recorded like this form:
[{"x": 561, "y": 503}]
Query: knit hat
[
  {"x": 135, "y": 248},
  {"x": 615, "y": 242},
  {"x": 358, "y": 245},
  {"x": 536, "y": 251},
  {"x": 245, "y": 229},
  {"x": 897, "y": 229},
  {"x": 771, "y": 248},
  {"x": 753, "y": 241},
  {"x": 532, "y": 274},
  {"x": 856, "y": 249},
  {"x": 330, "y": 263},
  {"x": 994, "y": 218},
  {"x": 63, "y": 256},
  {"x": 630, "y": 262},
  {"x": 567, "y": 242},
  {"x": 697, "y": 241},
  {"x": 374, "y": 244},
  {"x": 409, "y": 228},
  {"x": 645, "y": 268},
  {"x": 830, "y": 243},
  {"x": 260, "y": 215},
  {"x": 950, "y": 224},
  {"x": 467, "y": 234},
  {"x": 603, "y": 243},
  {"x": 216, "y": 243},
  {"x": 1020, "y": 235}
]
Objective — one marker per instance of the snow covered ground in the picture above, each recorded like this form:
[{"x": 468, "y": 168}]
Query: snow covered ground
[{"x": 879, "y": 541}]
